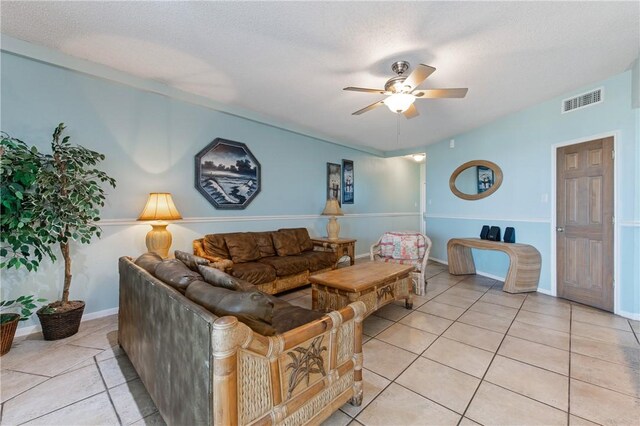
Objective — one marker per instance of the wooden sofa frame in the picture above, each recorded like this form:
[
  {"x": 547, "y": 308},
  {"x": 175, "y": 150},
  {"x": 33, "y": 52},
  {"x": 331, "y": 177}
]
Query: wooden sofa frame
[{"x": 201, "y": 369}]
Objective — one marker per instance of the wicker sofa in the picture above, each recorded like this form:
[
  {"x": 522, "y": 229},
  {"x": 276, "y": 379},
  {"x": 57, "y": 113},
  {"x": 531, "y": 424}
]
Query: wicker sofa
[
  {"x": 274, "y": 261},
  {"x": 201, "y": 369}
]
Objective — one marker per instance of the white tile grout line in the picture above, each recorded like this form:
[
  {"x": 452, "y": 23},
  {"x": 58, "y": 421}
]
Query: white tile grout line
[
  {"x": 482, "y": 379},
  {"x": 495, "y": 354},
  {"x": 394, "y": 380},
  {"x": 410, "y": 364},
  {"x": 421, "y": 356},
  {"x": 63, "y": 407},
  {"x": 104, "y": 383}
]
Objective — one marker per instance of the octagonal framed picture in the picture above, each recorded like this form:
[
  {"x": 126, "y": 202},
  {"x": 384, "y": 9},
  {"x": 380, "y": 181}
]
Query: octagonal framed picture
[{"x": 227, "y": 174}]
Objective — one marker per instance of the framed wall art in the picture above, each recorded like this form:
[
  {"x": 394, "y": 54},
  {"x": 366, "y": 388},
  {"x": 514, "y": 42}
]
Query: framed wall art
[
  {"x": 485, "y": 178},
  {"x": 334, "y": 180},
  {"x": 347, "y": 182},
  {"x": 227, "y": 174}
]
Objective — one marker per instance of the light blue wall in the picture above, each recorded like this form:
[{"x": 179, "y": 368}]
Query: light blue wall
[
  {"x": 521, "y": 145},
  {"x": 150, "y": 141}
]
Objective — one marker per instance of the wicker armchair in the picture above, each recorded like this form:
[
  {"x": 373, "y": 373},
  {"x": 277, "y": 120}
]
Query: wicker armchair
[{"x": 408, "y": 248}]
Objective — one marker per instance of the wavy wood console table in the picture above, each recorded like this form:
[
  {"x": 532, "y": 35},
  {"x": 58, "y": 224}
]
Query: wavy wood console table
[{"x": 524, "y": 262}]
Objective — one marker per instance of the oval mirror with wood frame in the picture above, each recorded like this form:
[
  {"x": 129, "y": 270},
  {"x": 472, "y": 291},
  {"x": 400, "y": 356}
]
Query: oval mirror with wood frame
[{"x": 475, "y": 179}]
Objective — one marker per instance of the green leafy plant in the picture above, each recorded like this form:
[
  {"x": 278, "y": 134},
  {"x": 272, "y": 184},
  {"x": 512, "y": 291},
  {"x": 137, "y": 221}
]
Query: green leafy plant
[
  {"x": 25, "y": 304},
  {"x": 20, "y": 244},
  {"x": 62, "y": 205}
]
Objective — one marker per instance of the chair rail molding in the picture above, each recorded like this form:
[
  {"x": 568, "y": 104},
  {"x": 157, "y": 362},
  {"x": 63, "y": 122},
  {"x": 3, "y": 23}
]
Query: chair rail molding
[
  {"x": 490, "y": 218},
  {"x": 210, "y": 219}
]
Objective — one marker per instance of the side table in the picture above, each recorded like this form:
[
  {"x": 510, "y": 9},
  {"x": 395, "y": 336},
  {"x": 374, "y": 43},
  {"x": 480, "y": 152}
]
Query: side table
[
  {"x": 524, "y": 262},
  {"x": 341, "y": 247}
]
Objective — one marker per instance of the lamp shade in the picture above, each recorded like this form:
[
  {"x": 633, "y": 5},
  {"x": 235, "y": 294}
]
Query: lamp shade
[
  {"x": 160, "y": 207},
  {"x": 332, "y": 208}
]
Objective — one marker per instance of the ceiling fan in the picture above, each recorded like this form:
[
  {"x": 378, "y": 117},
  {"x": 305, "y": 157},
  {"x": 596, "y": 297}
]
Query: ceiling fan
[{"x": 402, "y": 90}]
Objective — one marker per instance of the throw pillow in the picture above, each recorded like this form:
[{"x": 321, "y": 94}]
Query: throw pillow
[
  {"x": 242, "y": 247},
  {"x": 402, "y": 246},
  {"x": 217, "y": 278},
  {"x": 302, "y": 235},
  {"x": 215, "y": 246},
  {"x": 286, "y": 243},
  {"x": 149, "y": 262},
  {"x": 250, "y": 307},
  {"x": 191, "y": 260},
  {"x": 265, "y": 243},
  {"x": 176, "y": 274}
]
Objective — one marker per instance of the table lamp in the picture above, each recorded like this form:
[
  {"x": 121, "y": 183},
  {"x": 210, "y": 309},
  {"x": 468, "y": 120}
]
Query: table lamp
[
  {"x": 332, "y": 209},
  {"x": 159, "y": 208}
]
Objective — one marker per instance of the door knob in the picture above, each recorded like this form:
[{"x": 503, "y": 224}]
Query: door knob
[{"x": 560, "y": 229}]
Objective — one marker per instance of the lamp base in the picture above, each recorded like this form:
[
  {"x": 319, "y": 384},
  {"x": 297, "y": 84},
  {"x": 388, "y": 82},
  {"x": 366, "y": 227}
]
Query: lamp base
[
  {"x": 333, "y": 228},
  {"x": 159, "y": 239}
]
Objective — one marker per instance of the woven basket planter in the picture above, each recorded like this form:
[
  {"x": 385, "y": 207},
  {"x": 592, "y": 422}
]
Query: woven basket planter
[
  {"x": 7, "y": 332},
  {"x": 59, "y": 325}
]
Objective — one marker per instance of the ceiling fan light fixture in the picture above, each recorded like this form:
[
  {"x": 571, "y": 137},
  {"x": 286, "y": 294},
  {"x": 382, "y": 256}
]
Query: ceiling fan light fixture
[{"x": 399, "y": 102}]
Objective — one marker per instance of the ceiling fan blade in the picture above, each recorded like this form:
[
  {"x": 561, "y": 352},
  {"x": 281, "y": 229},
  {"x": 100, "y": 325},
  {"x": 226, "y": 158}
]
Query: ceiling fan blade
[
  {"x": 364, "y": 89},
  {"x": 368, "y": 108},
  {"x": 411, "y": 112},
  {"x": 440, "y": 93},
  {"x": 418, "y": 75}
]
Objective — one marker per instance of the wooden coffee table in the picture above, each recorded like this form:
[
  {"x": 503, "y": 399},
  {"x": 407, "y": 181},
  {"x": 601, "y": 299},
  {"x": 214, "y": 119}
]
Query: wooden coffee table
[{"x": 375, "y": 283}]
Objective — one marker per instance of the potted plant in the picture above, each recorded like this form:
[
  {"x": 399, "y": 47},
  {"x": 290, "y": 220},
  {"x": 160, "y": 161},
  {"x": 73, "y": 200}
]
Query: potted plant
[
  {"x": 61, "y": 205},
  {"x": 9, "y": 321},
  {"x": 19, "y": 245}
]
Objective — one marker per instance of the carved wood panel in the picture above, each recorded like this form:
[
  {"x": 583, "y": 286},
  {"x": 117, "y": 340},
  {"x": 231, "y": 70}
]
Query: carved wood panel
[{"x": 304, "y": 365}]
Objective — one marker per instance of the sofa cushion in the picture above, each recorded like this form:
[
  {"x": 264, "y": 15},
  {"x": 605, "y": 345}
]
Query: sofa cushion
[
  {"x": 286, "y": 243},
  {"x": 319, "y": 259},
  {"x": 149, "y": 261},
  {"x": 191, "y": 260},
  {"x": 302, "y": 236},
  {"x": 217, "y": 278},
  {"x": 265, "y": 243},
  {"x": 254, "y": 272},
  {"x": 250, "y": 307},
  {"x": 287, "y": 318},
  {"x": 214, "y": 245},
  {"x": 242, "y": 247},
  {"x": 285, "y": 266},
  {"x": 176, "y": 274}
]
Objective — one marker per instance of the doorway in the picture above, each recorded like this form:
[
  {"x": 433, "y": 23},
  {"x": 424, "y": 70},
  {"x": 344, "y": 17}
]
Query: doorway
[
  {"x": 584, "y": 223},
  {"x": 423, "y": 197}
]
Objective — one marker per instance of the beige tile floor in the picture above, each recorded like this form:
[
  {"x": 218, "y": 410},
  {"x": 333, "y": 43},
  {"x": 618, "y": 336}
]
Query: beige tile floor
[{"x": 466, "y": 354}]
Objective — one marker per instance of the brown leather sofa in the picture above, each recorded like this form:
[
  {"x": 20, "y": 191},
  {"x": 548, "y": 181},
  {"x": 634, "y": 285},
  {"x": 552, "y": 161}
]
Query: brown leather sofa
[
  {"x": 212, "y": 349},
  {"x": 274, "y": 261}
]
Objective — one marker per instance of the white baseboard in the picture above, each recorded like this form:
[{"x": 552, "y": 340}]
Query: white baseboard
[
  {"x": 495, "y": 277},
  {"x": 23, "y": 331},
  {"x": 362, "y": 256},
  {"x": 484, "y": 274},
  {"x": 629, "y": 315}
]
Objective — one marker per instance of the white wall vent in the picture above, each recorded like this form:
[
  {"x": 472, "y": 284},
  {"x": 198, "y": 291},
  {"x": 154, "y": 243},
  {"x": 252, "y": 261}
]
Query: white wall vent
[{"x": 583, "y": 100}]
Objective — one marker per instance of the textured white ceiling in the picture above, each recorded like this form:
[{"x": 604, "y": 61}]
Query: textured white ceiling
[{"x": 290, "y": 60}]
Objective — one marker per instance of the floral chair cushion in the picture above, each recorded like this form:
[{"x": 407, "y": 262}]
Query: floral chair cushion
[
  {"x": 402, "y": 246},
  {"x": 415, "y": 262}
]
